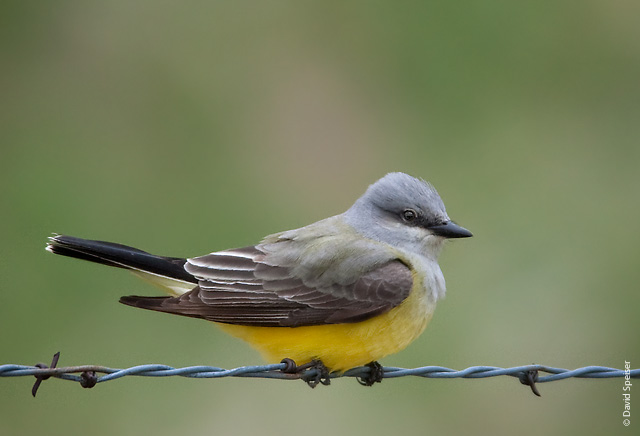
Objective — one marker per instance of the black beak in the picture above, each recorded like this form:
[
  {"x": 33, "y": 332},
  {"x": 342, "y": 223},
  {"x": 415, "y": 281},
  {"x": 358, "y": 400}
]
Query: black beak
[{"x": 450, "y": 230}]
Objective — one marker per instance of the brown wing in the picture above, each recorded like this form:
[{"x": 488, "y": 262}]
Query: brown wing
[{"x": 237, "y": 287}]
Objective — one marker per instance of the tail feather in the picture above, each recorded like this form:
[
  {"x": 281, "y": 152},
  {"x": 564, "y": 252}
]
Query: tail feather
[{"x": 121, "y": 256}]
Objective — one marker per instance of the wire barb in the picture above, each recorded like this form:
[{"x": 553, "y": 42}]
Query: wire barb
[
  {"x": 41, "y": 378},
  {"x": 88, "y": 378},
  {"x": 530, "y": 378}
]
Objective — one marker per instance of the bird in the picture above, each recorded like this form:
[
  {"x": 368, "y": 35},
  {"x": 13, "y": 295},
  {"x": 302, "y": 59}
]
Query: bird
[{"x": 337, "y": 294}]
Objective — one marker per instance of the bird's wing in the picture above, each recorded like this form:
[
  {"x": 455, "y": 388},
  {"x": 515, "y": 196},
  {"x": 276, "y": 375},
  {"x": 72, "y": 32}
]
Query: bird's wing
[{"x": 239, "y": 287}]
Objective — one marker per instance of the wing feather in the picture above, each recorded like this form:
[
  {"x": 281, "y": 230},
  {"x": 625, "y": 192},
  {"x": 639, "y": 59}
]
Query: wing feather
[{"x": 239, "y": 287}]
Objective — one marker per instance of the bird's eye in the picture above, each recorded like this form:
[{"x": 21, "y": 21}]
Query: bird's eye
[{"x": 409, "y": 215}]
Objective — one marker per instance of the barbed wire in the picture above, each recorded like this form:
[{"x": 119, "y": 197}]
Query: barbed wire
[{"x": 311, "y": 373}]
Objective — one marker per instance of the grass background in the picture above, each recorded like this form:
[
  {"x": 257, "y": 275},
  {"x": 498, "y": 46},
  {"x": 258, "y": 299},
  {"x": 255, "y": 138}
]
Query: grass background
[{"x": 183, "y": 128}]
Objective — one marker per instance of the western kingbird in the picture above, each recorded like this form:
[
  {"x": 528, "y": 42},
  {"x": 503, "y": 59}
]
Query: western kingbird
[{"x": 347, "y": 290}]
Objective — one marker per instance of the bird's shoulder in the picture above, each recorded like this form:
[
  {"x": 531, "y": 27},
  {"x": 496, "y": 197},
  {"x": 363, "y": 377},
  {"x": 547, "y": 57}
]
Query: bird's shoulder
[
  {"x": 320, "y": 255},
  {"x": 326, "y": 252}
]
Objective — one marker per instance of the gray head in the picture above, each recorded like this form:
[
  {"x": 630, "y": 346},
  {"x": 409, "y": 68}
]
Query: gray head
[{"x": 405, "y": 212}]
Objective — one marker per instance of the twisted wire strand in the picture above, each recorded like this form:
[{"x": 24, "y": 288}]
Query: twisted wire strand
[{"x": 275, "y": 371}]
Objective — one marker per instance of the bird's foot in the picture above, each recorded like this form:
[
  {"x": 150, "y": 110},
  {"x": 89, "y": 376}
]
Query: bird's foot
[
  {"x": 313, "y": 373},
  {"x": 375, "y": 375}
]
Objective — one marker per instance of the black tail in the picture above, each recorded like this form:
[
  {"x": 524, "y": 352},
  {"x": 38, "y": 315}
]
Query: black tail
[{"x": 121, "y": 256}]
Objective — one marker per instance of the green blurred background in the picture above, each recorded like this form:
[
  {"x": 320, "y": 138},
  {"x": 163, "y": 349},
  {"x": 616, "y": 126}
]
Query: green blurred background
[{"x": 183, "y": 128}]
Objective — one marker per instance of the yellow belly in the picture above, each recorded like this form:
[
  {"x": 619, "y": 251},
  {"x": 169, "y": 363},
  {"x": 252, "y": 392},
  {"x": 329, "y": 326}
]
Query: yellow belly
[{"x": 342, "y": 346}]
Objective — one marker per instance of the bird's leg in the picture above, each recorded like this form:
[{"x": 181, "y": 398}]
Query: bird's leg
[
  {"x": 320, "y": 375},
  {"x": 375, "y": 375}
]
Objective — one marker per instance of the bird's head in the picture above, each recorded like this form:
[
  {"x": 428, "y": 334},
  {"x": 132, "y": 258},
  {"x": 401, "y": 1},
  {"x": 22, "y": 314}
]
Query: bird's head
[{"x": 405, "y": 212}]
